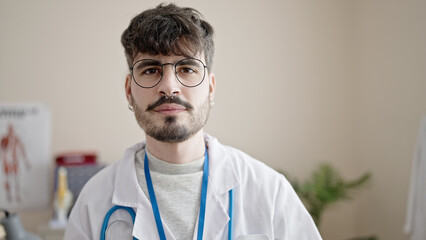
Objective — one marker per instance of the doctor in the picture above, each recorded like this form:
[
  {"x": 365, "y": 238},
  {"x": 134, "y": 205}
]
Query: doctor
[{"x": 182, "y": 183}]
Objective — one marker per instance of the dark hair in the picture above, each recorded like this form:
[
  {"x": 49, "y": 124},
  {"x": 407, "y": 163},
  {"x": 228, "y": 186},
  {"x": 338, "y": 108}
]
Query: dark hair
[{"x": 168, "y": 30}]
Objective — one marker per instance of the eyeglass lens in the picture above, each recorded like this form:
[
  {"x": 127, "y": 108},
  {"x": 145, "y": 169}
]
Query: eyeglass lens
[{"x": 148, "y": 73}]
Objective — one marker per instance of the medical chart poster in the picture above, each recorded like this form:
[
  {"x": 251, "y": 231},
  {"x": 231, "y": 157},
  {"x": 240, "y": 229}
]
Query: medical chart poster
[{"x": 24, "y": 156}]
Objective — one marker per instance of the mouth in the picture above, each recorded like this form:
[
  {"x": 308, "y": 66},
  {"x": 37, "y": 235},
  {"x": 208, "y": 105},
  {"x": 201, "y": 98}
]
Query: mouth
[
  {"x": 169, "y": 109},
  {"x": 169, "y": 106}
]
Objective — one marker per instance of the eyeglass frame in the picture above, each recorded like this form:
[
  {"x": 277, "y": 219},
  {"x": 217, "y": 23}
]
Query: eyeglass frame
[{"x": 162, "y": 71}]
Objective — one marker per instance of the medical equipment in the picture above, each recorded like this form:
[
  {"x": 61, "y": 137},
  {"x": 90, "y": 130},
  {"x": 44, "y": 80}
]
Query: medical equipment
[
  {"x": 156, "y": 210},
  {"x": 14, "y": 229},
  {"x": 63, "y": 199}
]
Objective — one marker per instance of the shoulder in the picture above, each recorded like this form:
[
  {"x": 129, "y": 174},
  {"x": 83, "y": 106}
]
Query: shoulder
[
  {"x": 245, "y": 166},
  {"x": 96, "y": 198},
  {"x": 249, "y": 164},
  {"x": 93, "y": 199},
  {"x": 253, "y": 176},
  {"x": 102, "y": 181},
  {"x": 261, "y": 186},
  {"x": 102, "y": 185},
  {"x": 96, "y": 192}
]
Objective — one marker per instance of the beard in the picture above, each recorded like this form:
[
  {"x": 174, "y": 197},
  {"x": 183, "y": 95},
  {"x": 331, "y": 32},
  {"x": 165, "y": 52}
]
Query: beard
[{"x": 168, "y": 129}]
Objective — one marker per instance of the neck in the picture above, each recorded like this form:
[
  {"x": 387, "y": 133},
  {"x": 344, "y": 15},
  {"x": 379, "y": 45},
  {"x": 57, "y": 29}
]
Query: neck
[{"x": 178, "y": 153}]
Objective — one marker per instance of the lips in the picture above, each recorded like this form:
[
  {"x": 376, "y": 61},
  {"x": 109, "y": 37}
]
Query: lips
[
  {"x": 169, "y": 103},
  {"x": 169, "y": 108}
]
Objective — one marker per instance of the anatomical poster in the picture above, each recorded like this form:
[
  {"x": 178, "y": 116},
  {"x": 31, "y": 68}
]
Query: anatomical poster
[{"x": 24, "y": 156}]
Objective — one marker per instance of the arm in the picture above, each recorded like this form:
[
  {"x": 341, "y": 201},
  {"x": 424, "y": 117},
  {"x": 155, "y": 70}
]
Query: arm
[{"x": 21, "y": 148}]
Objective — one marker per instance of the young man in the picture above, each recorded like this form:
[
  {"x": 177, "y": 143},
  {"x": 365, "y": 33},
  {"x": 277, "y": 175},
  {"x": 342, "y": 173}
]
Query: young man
[{"x": 182, "y": 183}]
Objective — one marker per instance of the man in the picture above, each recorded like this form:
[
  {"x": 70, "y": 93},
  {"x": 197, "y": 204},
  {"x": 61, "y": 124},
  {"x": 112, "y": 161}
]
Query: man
[{"x": 182, "y": 183}]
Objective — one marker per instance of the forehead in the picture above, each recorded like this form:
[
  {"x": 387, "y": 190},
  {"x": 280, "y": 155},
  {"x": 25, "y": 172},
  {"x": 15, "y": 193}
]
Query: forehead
[{"x": 168, "y": 58}]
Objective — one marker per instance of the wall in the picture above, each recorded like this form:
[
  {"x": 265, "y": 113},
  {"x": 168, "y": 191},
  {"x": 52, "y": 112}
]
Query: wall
[
  {"x": 298, "y": 83},
  {"x": 390, "y": 98}
]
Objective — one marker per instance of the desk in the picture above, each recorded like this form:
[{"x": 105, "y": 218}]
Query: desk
[{"x": 47, "y": 233}]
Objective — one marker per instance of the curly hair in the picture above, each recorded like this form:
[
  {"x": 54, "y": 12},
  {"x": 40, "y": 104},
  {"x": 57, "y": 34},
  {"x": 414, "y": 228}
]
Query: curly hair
[{"x": 169, "y": 30}]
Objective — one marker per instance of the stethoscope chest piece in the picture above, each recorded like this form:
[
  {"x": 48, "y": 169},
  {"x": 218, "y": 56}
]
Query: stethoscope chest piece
[{"x": 119, "y": 229}]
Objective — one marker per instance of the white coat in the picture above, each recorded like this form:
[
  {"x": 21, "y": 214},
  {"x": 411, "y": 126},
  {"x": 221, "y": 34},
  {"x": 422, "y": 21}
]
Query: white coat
[{"x": 265, "y": 204}]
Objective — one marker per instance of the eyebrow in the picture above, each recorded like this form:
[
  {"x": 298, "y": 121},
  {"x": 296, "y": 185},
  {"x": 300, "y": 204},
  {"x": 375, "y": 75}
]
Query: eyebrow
[
  {"x": 190, "y": 61},
  {"x": 147, "y": 62}
]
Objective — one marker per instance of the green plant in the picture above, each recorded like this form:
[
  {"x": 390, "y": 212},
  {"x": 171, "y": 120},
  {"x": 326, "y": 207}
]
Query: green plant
[{"x": 325, "y": 187}]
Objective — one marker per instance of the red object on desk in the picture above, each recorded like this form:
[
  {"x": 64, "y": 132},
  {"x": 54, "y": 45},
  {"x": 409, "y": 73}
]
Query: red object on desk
[{"x": 76, "y": 159}]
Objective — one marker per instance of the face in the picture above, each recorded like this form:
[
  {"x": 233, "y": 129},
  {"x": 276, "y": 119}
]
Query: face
[{"x": 171, "y": 119}]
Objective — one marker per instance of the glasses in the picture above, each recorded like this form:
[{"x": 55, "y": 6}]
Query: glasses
[{"x": 147, "y": 73}]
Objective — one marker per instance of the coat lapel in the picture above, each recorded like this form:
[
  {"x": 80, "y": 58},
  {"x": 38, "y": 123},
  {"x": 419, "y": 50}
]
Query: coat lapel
[{"x": 222, "y": 178}]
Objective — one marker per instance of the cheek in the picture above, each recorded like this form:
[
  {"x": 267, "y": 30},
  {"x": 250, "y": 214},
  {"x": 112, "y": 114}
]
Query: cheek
[
  {"x": 198, "y": 94},
  {"x": 141, "y": 96}
]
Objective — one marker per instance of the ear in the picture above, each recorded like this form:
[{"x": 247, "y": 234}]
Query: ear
[
  {"x": 128, "y": 89},
  {"x": 212, "y": 86}
]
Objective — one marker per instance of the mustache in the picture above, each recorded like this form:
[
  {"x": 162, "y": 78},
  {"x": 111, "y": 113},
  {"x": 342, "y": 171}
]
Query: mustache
[{"x": 164, "y": 100}]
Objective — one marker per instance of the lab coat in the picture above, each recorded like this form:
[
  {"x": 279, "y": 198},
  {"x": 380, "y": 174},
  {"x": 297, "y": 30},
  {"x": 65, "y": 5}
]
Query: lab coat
[{"x": 265, "y": 204}]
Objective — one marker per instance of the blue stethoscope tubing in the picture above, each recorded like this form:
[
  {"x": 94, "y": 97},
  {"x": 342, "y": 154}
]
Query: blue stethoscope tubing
[
  {"x": 157, "y": 213},
  {"x": 108, "y": 215}
]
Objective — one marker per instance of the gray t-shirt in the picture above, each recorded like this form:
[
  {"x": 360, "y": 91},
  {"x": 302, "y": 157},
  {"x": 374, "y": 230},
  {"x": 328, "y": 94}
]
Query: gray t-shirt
[{"x": 177, "y": 189}]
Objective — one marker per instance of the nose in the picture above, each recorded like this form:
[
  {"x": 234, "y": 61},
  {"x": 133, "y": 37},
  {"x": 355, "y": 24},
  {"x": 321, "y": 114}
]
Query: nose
[{"x": 169, "y": 85}]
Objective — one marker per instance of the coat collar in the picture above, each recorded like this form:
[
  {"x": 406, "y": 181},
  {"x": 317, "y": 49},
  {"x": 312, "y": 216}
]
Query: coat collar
[
  {"x": 222, "y": 178},
  {"x": 222, "y": 171},
  {"x": 126, "y": 176}
]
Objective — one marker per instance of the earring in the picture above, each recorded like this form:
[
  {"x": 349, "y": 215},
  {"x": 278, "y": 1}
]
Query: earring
[
  {"x": 130, "y": 107},
  {"x": 211, "y": 103}
]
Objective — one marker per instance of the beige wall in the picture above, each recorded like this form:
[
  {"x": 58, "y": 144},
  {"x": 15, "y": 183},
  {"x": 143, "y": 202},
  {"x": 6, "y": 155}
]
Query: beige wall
[
  {"x": 298, "y": 83},
  {"x": 390, "y": 101}
]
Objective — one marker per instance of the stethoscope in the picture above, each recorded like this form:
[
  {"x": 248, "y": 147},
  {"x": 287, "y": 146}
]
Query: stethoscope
[{"x": 156, "y": 211}]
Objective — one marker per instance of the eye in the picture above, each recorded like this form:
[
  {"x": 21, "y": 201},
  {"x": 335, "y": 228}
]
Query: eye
[
  {"x": 189, "y": 67},
  {"x": 187, "y": 70},
  {"x": 144, "y": 68},
  {"x": 151, "y": 71}
]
